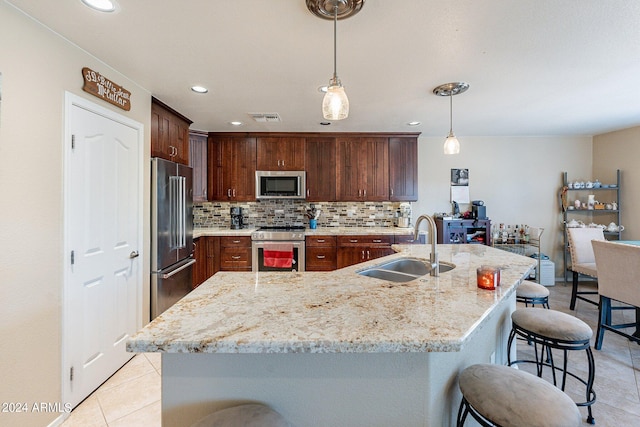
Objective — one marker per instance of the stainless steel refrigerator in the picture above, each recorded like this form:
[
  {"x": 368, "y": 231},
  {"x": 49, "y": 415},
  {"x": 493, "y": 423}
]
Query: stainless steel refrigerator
[{"x": 171, "y": 233}]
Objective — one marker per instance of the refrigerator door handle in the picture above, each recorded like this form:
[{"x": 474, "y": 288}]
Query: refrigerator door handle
[{"x": 179, "y": 269}]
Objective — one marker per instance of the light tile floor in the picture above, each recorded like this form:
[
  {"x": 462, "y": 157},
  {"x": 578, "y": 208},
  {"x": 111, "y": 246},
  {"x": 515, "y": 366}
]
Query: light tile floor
[{"x": 131, "y": 397}]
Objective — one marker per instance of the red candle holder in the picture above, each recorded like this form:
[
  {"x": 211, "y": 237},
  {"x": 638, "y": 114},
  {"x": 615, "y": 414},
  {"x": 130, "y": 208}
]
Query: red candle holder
[{"x": 488, "y": 277}]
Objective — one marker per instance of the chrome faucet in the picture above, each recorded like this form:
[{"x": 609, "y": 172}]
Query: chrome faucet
[{"x": 433, "y": 258}]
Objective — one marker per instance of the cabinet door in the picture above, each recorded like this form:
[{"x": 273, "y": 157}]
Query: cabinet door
[
  {"x": 160, "y": 133},
  {"x": 244, "y": 188},
  {"x": 403, "y": 169},
  {"x": 363, "y": 169},
  {"x": 198, "y": 161},
  {"x": 280, "y": 153},
  {"x": 232, "y": 168},
  {"x": 376, "y": 187},
  {"x": 180, "y": 141},
  {"x": 320, "y": 164},
  {"x": 200, "y": 255},
  {"x": 350, "y": 255}
]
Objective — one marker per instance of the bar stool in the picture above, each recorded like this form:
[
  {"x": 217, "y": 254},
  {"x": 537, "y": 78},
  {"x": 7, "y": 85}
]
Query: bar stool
[
  {"x": 247, "y": 415},
  {"x": 553, "y": 329},
  {"x": 532, "y": 293},
  {"x": 508, "y": 397}
]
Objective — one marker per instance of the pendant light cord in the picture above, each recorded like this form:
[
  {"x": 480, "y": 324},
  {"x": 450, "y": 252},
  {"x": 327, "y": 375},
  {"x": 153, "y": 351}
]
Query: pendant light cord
[
  {"x": 450, "y": 114},
  {"x": 335, "y": 40}
]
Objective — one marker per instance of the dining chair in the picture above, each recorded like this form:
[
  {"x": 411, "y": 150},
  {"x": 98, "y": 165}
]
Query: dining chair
[
  {"x": 619, "y": 280},
  {"x": 582, "y": 259}
]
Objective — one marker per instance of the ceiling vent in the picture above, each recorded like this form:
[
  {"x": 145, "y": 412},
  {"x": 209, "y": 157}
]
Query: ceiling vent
[{"x": 266, "y": 117}]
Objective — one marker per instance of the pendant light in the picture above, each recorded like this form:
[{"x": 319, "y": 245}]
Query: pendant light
[
  {"x": 335, "y": 104},
  {"x": 451, "y": 144}
]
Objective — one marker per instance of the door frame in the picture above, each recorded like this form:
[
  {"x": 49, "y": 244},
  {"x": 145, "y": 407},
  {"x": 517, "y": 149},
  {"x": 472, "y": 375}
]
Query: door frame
[{"x": 70, "y": 101}]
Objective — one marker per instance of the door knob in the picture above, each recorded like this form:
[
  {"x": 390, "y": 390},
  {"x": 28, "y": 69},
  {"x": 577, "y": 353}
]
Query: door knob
[{"x": 134, "y": 254}]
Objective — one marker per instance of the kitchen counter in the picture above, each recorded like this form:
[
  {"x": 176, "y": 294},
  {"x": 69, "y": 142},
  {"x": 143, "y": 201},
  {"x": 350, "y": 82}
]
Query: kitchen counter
[
  {"x": 338, "y": 311},
  {"x": 320, "y": 231},
  {"x": 335, "y": 348}
]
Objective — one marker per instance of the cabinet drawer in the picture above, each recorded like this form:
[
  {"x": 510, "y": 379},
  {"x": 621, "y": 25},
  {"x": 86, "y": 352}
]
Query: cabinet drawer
[
  {"x": 320, "y": 259},
  {"x": 406, "y": 239},
  {"x": 369, "y": 240},
  {"x": 235, "y": 258},
  {"x": 235, "y": 241},
  {"x": 321, "y": 241}
]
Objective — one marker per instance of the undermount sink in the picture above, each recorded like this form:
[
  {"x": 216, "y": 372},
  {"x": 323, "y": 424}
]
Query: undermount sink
[{"x": 403, "y": 270}]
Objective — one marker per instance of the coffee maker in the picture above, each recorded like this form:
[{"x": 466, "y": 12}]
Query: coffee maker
[{"x": 237, "y": 220}]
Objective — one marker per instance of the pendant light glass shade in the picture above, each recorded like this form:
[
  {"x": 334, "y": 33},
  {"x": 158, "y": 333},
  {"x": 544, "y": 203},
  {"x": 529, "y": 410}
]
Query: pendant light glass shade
[
  {"x": 451, "y": 144},
  {"x": 335, "y": 104}
]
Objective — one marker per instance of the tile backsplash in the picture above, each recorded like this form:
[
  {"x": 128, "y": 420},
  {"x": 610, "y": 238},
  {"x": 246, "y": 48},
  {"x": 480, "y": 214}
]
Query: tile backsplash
[{"x": 292, "y": 212}]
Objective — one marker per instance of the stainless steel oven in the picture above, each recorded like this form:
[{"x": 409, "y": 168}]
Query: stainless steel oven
[{"x": 269, "y": 240}]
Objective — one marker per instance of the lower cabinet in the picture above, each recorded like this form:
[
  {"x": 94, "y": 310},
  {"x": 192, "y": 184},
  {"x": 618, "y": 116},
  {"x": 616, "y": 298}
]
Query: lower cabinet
[
  {"x": 207, "y": 256},
  {"x": 235, "y": 253},
  {"x": 320, "y": 253},
  {"x": 356, "y": 249}
]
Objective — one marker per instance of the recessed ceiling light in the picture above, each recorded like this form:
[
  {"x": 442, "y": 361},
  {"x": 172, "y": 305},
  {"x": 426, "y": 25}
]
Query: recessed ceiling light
[
  {"x": 199, "y": 89},
  {"x": 236, "y": 123},
  {"x": 101, "y": 5},
  {"x": 416, "y": 123}
]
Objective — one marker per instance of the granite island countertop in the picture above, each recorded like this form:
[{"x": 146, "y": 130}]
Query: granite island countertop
[{"x": 338, "y": 311}]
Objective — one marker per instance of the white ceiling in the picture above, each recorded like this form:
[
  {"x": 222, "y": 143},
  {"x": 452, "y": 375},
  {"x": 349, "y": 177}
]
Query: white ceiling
[{"x": 535, "y": 67}]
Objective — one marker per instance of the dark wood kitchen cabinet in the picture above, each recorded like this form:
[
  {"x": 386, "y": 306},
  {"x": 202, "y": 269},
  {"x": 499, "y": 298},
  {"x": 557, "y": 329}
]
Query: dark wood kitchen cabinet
[
  {"x": 363, "y": 168},
  {"x": 207, "y": 256},
  {"x": 235, "y": 253},
  {"x": 320, "y": 164},
  {"x": 169, "y": 133},
  {"x": 403, "y": 169},
  {"x": 280, "y": 153},
  {"x": 320, "y": 253},
  {"x": 232, "y": 168},
  {"x": 360, "y": 248},
  {"x": 198, "y": 161}
]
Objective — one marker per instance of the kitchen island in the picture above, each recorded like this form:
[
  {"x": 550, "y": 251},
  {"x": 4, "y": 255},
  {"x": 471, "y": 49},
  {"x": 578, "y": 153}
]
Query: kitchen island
[{"x": 335, "y": 348}]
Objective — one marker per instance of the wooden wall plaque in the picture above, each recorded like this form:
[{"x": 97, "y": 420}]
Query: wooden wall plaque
[{"x": 98, "y": 85}]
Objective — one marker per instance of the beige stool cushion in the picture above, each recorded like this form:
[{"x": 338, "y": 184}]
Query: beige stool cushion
[
  {"x": 551, "y": 324},
  {"x": 249, "y": 415},
  {"x": 513, "y": 398},
  {"x": 529, "y": 289}
]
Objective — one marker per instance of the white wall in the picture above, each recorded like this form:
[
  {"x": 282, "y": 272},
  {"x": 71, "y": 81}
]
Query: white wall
[
  {"x": 518, "y": 178},
  {"x": 37, "y": 68}
]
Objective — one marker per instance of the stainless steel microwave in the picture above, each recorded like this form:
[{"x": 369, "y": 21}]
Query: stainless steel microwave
[{"x": 280, "y": 184}]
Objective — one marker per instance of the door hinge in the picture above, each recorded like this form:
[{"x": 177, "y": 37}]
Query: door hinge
[
  {"x": 71, "y": 374},
  {"x": 73, "y": 142},
  {"x": 73, "y": 257}
]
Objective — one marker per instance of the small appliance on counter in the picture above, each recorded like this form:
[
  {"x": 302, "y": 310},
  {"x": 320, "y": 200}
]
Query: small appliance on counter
[
  {"x": 404, "y": 215},
  {"x": 478, "y": 210},
  {"x": 237, "y": 220}
]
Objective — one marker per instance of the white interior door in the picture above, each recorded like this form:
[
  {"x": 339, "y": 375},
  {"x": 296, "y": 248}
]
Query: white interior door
[{"x": 103, "y": 283}]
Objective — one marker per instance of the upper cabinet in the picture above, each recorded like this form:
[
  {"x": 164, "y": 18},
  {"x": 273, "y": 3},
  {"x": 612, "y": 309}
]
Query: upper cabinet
[
  {"x": 198, "y": 161},
  {"x": 320, "y": 164},
  {"x": 169, "y": 133},
  {"x": 363, "y": 168},
  {"x": 403, "y": 169},
  {"x": 232, "y": 168},
  {"x": 339, "y": 166},
  {"x": 280, "y": 153}
]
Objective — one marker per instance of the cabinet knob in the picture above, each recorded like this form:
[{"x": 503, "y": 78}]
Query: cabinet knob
[
  {"x": 377, "y": 241},
  {"x": 321, "y": 240},
  {"x": 353, "y": 240},
  {"x": 235, "y": 257},
  {"x": 320, "y": 256}
]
